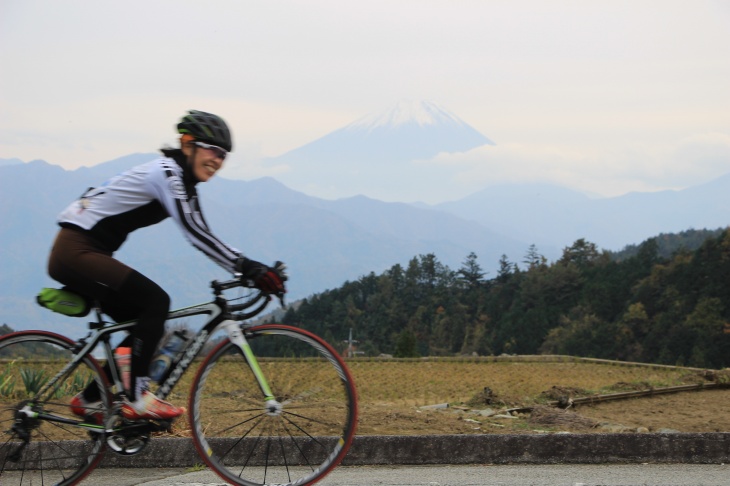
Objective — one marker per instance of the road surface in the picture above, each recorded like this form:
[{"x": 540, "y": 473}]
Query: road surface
[{"x": 448, "y": 475}]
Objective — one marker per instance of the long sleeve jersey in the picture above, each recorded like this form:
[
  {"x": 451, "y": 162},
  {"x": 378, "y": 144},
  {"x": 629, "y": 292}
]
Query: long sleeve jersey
[{"x": 143, "y": 196}]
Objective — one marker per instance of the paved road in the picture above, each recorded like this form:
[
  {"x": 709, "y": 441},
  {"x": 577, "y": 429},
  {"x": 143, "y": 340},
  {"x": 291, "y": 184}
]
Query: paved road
[{"x": 472, "y": 475}]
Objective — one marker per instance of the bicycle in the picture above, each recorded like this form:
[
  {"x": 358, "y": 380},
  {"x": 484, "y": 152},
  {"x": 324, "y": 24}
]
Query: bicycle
[{"x": 270, "y": 404}]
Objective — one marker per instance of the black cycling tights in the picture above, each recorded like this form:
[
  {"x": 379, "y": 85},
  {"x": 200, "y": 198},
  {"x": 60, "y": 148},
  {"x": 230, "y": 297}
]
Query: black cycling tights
[
  {"x": 140, "y": 298},
  {"x": 125, "y": 294}
]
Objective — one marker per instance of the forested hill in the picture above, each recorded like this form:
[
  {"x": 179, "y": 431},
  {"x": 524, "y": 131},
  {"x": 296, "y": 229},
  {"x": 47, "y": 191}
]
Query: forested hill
[
  {"x": 670, "y": 243},
  {"x": 642, "y": 307}
]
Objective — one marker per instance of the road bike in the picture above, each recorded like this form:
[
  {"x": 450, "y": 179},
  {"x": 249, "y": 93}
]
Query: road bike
[{"x": 270, "y": 404}]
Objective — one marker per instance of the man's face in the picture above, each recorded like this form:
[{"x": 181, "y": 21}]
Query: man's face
[
  {"x": 206, "y": 163},
  {"x": 204, "y": 159}
]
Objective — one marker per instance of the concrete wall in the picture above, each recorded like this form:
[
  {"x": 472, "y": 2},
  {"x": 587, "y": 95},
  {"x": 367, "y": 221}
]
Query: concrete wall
[{"x": 483, "y": 449}]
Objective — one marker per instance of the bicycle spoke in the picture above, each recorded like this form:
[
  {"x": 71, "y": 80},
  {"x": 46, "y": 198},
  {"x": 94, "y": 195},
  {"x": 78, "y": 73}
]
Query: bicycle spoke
[
  {"x": 302, "y": 453},
  {"x": 224, "y": 454},
  {"x": 235, "y": 409},
  {"x": 283, "y": 454},
  {"x": 40, "y": 444},
  {"x": 304, "y": 417},
  {"x": 227, "y": 429},
  {"x": 294, "y": 439},
  {"x": 305, "y": 432},
  {"x": 56, "y": 462}
]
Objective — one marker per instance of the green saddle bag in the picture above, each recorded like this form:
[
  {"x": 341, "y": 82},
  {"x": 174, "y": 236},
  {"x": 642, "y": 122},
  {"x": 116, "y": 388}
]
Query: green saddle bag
[{"x": 64, "y": 301}]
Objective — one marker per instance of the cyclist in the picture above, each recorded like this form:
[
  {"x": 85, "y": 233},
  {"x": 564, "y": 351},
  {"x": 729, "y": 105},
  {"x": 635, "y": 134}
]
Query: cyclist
[{"x": 95, "y": 226}]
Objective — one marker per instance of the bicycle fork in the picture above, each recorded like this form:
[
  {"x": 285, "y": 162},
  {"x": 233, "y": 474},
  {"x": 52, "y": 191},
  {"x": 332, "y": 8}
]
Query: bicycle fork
[{"x": 236, "y": 336}]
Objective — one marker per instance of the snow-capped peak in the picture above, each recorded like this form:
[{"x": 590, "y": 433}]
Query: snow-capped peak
[{"x": 407, "y": 112}]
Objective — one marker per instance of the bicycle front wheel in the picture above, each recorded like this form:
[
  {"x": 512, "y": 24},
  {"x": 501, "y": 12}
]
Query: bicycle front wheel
[
  {"x": 41, "y": 440},
  {"x": 297, "y": 436}
]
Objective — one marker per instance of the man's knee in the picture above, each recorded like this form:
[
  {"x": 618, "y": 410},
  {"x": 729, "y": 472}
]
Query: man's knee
[
  {"x": 160, "y": 303},
  {"x": 145, "y": 294}
]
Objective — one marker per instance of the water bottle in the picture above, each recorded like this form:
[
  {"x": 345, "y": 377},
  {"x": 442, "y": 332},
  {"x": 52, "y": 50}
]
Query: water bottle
[
  {"x": 162, "y": 361},
  {"x": 124, "y": 364}
]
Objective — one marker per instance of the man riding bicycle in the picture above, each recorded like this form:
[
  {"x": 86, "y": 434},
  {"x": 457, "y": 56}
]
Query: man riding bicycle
[{"x": 97, "y": 224}]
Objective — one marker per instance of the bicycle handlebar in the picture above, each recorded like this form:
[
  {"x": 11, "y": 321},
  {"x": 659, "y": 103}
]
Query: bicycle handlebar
[
  {"x": 235, "y": 309},
  {"x": 219, "y": 287}
]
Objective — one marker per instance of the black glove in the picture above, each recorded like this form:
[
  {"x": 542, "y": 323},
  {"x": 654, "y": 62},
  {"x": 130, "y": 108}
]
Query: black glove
[{"x": 268, "y": 279}]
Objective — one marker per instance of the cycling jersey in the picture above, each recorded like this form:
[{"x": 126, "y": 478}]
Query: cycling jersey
[{"x": 142, "y": 196}]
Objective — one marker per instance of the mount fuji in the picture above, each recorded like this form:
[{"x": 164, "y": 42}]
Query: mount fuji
[{"x": 379, "y": 154}]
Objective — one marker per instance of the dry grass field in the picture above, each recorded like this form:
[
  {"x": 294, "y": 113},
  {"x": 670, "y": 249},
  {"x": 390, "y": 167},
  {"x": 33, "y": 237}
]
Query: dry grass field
[
  {"x": 480, "y": 395},
  {"x": 392, "y": 392}
]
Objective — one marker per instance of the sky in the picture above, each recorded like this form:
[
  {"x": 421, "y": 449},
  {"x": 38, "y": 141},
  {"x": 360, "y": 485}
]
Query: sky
[{"x": 603, "y": 96}]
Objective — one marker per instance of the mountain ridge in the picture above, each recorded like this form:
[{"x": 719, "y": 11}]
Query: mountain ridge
[
  {"x": 614, "y": 222},
  {"x": 326, "y": 242},
  {"x": 379, "y": 154},
  {"x": 407, "y": 112},
  {"x": 323, "y": 242}
]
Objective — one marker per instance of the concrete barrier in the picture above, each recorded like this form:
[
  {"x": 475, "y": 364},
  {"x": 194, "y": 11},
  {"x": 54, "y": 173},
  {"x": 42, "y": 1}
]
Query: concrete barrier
[{"x": 704, "y": 448}]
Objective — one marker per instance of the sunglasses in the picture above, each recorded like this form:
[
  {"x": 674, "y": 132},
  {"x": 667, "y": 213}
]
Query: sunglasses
[{"x": 217, "y": 151}]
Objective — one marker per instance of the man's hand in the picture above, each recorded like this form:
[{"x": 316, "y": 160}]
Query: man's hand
[{"x": 268, "y": 279}]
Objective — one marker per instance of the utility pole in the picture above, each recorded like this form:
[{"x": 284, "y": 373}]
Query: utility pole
[{"x": 351, "y": 350}]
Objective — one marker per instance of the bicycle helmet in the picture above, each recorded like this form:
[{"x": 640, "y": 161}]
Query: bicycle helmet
[{"x": 206, "y": 127}]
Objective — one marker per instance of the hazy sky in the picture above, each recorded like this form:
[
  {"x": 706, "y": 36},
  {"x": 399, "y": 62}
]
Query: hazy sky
[{"x": 607, "y": 96}]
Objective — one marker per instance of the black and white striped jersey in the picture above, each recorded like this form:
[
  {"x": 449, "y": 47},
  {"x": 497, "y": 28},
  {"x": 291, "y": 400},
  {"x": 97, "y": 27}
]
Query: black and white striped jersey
[{"x": 142, "y": 196}]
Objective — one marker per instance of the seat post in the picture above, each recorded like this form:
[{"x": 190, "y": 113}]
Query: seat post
[{"x": 99, "y": 322}]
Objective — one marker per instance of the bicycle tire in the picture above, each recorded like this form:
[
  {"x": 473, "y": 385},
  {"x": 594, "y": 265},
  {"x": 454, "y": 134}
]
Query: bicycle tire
[
  {"x": 300, "y": 437},
  {"x": 55, "y": 452}
]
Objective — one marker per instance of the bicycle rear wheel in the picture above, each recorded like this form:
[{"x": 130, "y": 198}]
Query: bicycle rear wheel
[
  {"x": 45, "y": 443},
  {"x": 295, "y": 439}
]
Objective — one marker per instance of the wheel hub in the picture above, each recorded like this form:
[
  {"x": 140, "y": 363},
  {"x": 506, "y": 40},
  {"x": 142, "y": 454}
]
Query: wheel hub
[{"x": 273, "y": 408}]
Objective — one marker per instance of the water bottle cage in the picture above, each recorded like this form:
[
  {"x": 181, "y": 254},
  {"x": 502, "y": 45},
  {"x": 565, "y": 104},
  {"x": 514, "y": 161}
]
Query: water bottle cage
[
  {"x": 160, "y": 368},
  {"x": 161, "y": 364}
]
